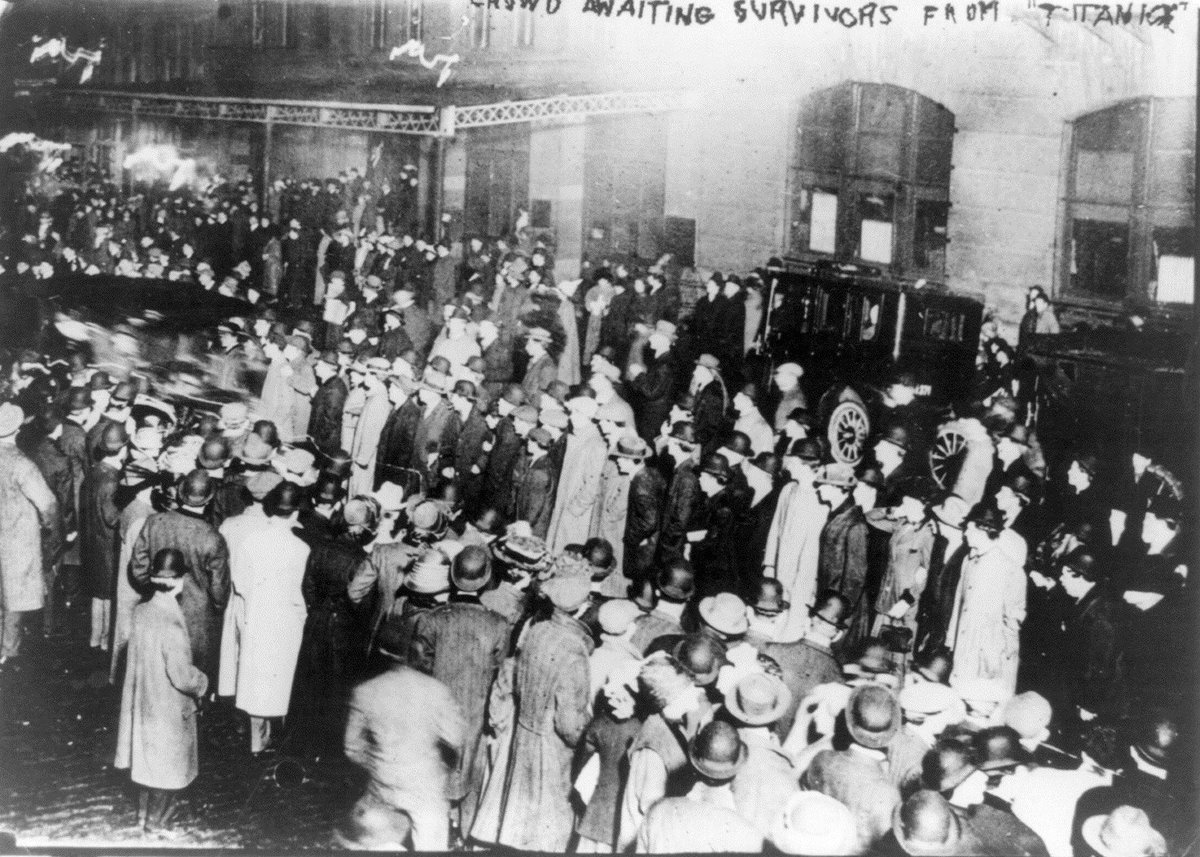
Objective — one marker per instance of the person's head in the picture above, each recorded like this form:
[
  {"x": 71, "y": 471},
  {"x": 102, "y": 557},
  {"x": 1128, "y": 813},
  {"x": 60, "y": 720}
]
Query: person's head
[
  {"x": 902, "y": 389},
  {"x": 675, "y": 582},
  {"x": 951, "y": 770},
  {"x": 283, "y": 501},
  {"x": 168, "y": 570},
  {"x": 714, "y": 474},
  {"x": 983, "y": 527},
  {"x": 744, "y": 399},
  {"x": 717, "y": 752},
  {"x": 714, "y": 284},
  {"x": 1162, "y": 521},
  {"x": 834, "y": 483},
  {"x": 891, "y": 448},
  {"x": 630, "y": 454},
  {"x": 1082, "y": 472}
]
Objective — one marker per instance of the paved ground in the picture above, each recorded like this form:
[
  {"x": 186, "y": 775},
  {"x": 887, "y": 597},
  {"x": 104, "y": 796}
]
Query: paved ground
[{"x": 58, "y": 723}]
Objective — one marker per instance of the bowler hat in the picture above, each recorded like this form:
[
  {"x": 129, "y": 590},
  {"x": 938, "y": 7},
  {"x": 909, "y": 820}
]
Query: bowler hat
[
  {"x": 896, "y": 434},
  {"x": 112, "y": 439},
  {"x": 926, "y": 825},
  {"x": 708, "y": 361},
  {"x": 215, "y": 454},
  {"x": 283, "y": 500},
  {"x": 472, "y": 569},
  {"x": 254, "y": 451},
  {"x": 725, "y": 612},
  {"x": 78, "y": 399},
  {"x": 195, "y": 489},
  {"x": 339, "y": 463},
  {"x": 999, "y": 747},
  {"x": 123, "y": 393},
  {"x": 676, "y": 581},
  {"x": 872, "y": 716},
  {"x": 806, "y": 449},
  {"x": 327, "y": 490},
  {"x": 684, "y": 433},
  {"x": 770, "y": 598},
  {"x": 717, "y": 751},
  {"x": 631, "y": 447},
  {"x": 873, "y": 476},
  {"x": 947, "y": 765},
  {"x": 717, "y": 466},
  {"x": 701, "y": 656}
]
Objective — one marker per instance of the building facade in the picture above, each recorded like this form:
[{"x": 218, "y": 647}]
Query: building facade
[{"x": 991, "y": 152}]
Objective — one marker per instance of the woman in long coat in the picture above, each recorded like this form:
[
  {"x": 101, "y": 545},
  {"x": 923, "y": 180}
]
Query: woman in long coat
[
  {"x": 985, "y": 629},
  {"x": 156, "y": 735},
  {"x": 275, "y": 615},
  {"x": 26, "y": 505}
]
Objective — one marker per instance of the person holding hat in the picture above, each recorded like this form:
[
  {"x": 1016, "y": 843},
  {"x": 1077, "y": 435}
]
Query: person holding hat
[
  {"x": 857, "y": 776},
  {"x": 551, "y": 692},
  {"x": 98, "y": 520},
  {"x": 466, "y": 644},
  {"x": 792, "y": 552},
  {"x": 156, "y": 731},
  {"x": 267, "y": 571},
  {"x": 843, "y": 545},
  {"x": 207, "y": 559},
  {"x": 27, "y": 508},
  {"x": 985, "y": 627},
  {"x": 328, "y": 404}
]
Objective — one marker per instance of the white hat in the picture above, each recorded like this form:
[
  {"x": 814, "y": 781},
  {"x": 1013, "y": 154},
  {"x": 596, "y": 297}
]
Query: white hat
[{"x": 390, "y": 497}]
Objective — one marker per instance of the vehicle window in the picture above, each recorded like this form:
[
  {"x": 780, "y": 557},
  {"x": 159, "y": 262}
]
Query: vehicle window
[
  {"x": 944, "y": 324},
  {"x": 870, "y": 320}
]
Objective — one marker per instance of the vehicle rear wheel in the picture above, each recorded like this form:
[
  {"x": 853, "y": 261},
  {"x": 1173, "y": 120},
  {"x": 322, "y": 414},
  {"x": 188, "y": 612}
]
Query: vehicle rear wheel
[
  {"x": 848, "y": 429},
  {"x": 946, "y": 456}
]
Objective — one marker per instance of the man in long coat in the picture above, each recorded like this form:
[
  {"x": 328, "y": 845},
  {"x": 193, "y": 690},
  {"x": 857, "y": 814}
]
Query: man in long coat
[
  {"x": 27, "y": 506},
  {"x": 643, "y": 513},
  {"x": 470, "y": 457},
  {"x": 466, "y": 644},
  {"x": 553, "y": 707},
  {"x": 435, "y": 436},
  {"x": 57, "y": 468},
  {"x": 843, "y": 558},
  {"x": 653, "y": 385},
  {"x": 510, "y": 435},
  {"x": 206, "y": 587},
  {"x": 99, "y": 517},
  {"x": 328, "y": 405},
  {"x": 394, "y": 452},
  {"x": 156, "y": 734},
  {"x": 579, "y": 484},
  {"x": 375, "y": 411},
  {"x": 542, "y": 369},
  {"x": 535, "y": 483}
]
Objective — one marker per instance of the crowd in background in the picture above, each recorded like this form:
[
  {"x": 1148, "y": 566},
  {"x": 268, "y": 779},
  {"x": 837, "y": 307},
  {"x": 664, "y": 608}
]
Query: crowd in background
[{"x": 569, "y": 563}]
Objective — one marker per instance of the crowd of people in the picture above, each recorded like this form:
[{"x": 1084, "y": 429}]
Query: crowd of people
[{"x": 569, "y": 564}]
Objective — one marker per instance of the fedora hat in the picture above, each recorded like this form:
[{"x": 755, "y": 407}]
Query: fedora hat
[
  {"x": 998, "y": 748},
  {"x": 427, "y": 517},
  {"x": 717, "y": 751},
  {"x": 872, "y": 716},
  {"x": 815, "y": 823},
  {"x": 631, "y": 447},
  {"x": 716, "y": 465},
  {"x": 758, "y": 699},
  {"x": 725, "y": 612},
  {"x": 1125, "y": 832}
]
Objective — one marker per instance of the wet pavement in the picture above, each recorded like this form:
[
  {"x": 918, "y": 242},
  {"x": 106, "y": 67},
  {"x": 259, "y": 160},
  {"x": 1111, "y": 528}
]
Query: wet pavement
[{"x": 58, "y": 725}]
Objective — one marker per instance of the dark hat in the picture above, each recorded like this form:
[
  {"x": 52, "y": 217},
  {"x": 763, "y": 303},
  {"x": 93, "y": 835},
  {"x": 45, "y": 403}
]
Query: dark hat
[
  {"x": 471, "y": 569},
  {"x": 738, "y": 442},
  {"x": 1017, "y": 433},
  {"x": 328, "y": 357},
  {"x": 717, "y": 751},
  {"x": 78, "y": 399},
  {"x": 895, "y": 433},
  {"x": 873, "y": 476},
  {"x": 934, "y": 665},
  {"x": 214, "y": 454},
  {"x": 282, "y": 500},
  {"x": 806, "y": 449},
  {"x": 346, "y": 347},
  {"x": 113, "y": 438},
  {"x": 1082, "y": 562},
  {"x": 1165, "y": 507},
  {"x": 1022, "y": 485},
  {"x": 770, "y": 598},
  {"x": 1089, "y": 464},
  {"x": 926, "y": 825},
  {"x": 195, "y": 489},
  {"x": 99, "y": 381},
  {"x": 514, "y": 395},
  {"x": 987, "y": 517},
  {"x": 684, "y": 433},
  {"x": 1156, "y": 738},
  {"x": 327, "y": 490},
  {"x": 168, "y": 563},
  {"x": 465, "y": 389},
  {"x": 872, "y": 716},
  {"x": 701, "y": 656},
  {"x": 947, "y": 765},
  {"x": 717, "y": 466},
  {"x": 998, "y": 748},
  {"x": 338, "y": 463},
  {"x": 268, "y": 431},
  {"x": 676, "y": 581},
  {"x": 124, "y": 392}
]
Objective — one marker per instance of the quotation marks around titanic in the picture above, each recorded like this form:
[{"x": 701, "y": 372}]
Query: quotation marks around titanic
[
  {"x": 56, "y": 48},
  {"x": 416, "y": 48}
]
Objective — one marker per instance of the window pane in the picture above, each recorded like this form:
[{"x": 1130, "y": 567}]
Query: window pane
[
  {"x": 929, "y": 235},
  {"x": 876, "y": 219},
  {"x": 814, "y": 221},
  {"x": 821, "y": 150},
  {"x": 1100, "y": 258},
  {"x": 1117, "y": 129},
  {"x": 1172, "y": 178},
  {"x": 880, "y": 155},
  {"x": 1174, "y": 264},
  {"x": 1104, "y": 176},
  {"x": 884, "y": 109}
]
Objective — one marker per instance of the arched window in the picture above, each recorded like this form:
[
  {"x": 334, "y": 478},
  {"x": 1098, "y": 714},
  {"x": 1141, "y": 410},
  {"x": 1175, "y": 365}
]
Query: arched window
[
  {"x": 1128, "y": 222},
  {"x": 870, "y": 178}
]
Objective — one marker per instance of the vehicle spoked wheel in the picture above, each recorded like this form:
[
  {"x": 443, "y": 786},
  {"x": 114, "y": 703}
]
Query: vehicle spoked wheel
[{"x": 847, "y": 433}]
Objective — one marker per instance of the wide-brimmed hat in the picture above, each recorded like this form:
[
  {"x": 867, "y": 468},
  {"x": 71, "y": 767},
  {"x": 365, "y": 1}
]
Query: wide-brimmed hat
[
  {"x": 568, "y": 592},
  {"x": 758, "y": 699},
  {"x": 430, "y": 574},
  {"x": 872, "y": 716},
  {"x": 925, "y": 698},
  {"x": 525, "y": 552},
  {"x": 631, "y": 447},
  {"x": 841, "y": 475},
  {"x": 390, "y": 497},
  {"x": 1125, "y": 832},
  {"x": 725, "y": 612},
  {"x": 1029, "y": 714},
  {"x": 815, "y": 823},
  {"x": 717, "y": 751}
]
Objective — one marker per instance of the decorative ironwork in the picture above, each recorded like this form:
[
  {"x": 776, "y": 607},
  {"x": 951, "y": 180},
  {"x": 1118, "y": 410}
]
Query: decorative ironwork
[{"x": 392, "y": 118}]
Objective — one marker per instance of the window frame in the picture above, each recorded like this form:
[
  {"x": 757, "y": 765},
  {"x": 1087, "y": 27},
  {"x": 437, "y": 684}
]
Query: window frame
[
  {"x": 1142, "y": 213},
  {"x": 850, "y": 180}
]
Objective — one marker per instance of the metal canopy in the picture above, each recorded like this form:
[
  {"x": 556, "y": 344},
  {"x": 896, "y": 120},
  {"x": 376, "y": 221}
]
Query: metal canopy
[{"x": 419, "y": 120}]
